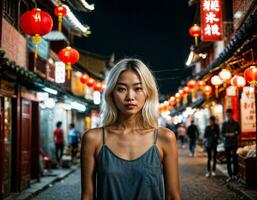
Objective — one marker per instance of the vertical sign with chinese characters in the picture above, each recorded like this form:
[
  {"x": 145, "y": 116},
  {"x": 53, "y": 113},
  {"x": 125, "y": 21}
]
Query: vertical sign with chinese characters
[
  {"x": 211, "y": 20},
  {"x": 247, "y": 107}
]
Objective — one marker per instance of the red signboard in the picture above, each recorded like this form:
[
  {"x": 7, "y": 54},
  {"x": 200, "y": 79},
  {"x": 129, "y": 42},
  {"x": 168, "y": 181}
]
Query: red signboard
[{"x": 211, "y": 20}]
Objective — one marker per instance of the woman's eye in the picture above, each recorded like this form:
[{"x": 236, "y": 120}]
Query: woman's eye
[
  {"x": 139, "y": 89},
  {"x": 121, "y": 89}
]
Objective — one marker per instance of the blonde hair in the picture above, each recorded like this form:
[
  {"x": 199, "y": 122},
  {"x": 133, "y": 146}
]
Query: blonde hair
[{"x": 109, "y": 111}]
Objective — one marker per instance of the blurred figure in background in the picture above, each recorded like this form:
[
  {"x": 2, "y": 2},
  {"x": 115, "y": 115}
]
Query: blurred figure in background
[
  {"x": 59, "y": 143},
  {"x": 231, "y": 131},
  {"x": 73, "y": 140},
  {"x": 181, "y": 135},
  {"x": 193, "y": 133},
  {"x": 211, "y": 136}
]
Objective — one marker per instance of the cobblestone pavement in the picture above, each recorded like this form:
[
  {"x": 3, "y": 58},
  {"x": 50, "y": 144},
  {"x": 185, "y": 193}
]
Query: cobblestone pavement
[
  {"x": 194, "y": 184},
  {"x": 67, "y": 189}
]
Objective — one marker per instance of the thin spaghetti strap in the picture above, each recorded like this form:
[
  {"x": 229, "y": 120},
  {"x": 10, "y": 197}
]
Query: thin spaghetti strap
[
  {"x": 103, "y": 135},
  {"x": 155, "y": 135}
]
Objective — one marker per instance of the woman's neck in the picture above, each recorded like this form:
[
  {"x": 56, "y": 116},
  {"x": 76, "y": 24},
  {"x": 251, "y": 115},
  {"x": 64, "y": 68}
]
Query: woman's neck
[{"x": 130, "y": 122}]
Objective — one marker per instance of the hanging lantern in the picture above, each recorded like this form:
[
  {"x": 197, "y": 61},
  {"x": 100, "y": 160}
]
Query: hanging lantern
[
  {"x": 36, "y": 23},
  {"x": 97, "y": 86},
  {"x": 216, "y": 81},
  {"x": 84, "y": 78},
  {"x": 69, "y": 56},
  {"x": 250, "y": 75},
  {"x": 225, "y": 75},
  {"x": 201, "y": 84},
  {"x": 172, "y": 101},
  {"x": 192, "y": 84},
  {"x": 177, "y": 96},
  {"x": 60, "y": 11},
  {"x": 90, "y": 82},
  {"x": 186, "y": 90},
  {"x": 195, "y": 31},
  {"x": 207, "y": 90},
  {"x": 238, "y": 81}
]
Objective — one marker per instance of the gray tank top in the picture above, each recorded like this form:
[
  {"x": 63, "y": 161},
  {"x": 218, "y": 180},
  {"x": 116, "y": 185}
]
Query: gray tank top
[{"x": 121, "y": 179}]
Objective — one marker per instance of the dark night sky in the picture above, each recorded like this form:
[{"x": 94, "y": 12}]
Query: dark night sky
[{"x": 154, "y": 31}]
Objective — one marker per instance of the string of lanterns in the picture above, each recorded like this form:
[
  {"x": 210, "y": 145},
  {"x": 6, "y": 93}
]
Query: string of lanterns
[{"x": 92, "y": 83}]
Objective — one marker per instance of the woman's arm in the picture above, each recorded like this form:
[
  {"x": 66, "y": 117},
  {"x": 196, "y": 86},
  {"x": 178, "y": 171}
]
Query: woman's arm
[
  {"x": 170, "y": 164},
  {"x": 88, "y": 153}
]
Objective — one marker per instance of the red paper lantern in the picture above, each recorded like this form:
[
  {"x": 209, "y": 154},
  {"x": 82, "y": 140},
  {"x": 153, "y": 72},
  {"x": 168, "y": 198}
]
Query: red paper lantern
[
  {"x": 250, "y": 74},
  {"x": 84, "y": 78},
  {"x": 36, "y": 23},
  {"x": 186, "y": 90},
  {"x": 60, "y": 11},
  {"x": 97, "y": 86},
  {"x": 69, "y": 56},
  {"x": 195, "y": 31},
  {"x": 192, "y": 84},
  {"x": 201, "y": 84},
  {"x": 207, "y": 90},
  {"x": 90, "y": 82}
]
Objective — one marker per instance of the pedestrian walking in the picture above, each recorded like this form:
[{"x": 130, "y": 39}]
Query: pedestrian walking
[
  {"x": 73, "y": 141},
  {"x": 211, "y": 135},
  {"x": 192, "y": 132},
  {"x": 231, "y": 131},
  {"x": 129, "y": 157},
  {"x": 59, "y": 143},
  {"x": 181, "y": 135}
]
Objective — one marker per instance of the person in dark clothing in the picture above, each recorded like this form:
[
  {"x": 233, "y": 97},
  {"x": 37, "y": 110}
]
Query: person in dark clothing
[
  {"x": 211, "y": 135},
  {"x": 192, "y": 132},
  {"x": 231, "y": 131},
  {"x": 59, "y": 142}
]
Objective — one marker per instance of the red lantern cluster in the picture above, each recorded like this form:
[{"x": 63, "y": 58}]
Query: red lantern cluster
[
  {"x": 90, "y": 82},
  {"x": 69, "y": 56}
]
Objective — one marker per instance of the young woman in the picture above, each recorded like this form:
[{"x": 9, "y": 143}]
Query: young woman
[{"x": 129, "y": 157}]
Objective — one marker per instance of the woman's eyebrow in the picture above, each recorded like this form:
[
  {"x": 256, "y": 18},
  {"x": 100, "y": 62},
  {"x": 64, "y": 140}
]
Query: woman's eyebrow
[{"x": 121, "y": 83}]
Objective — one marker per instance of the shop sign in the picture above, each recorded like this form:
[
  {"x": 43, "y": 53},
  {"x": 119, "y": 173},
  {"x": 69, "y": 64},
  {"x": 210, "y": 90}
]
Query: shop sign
[
  {"x": 59, "y": 72},
  {"x": 247, "y": 107},
  {"x": 211, "y": 20}
]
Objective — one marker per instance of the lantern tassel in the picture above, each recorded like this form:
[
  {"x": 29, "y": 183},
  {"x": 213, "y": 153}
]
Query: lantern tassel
[
  {"x": 68, "y": 68},
  {"x": 216, "y": 91},
  {"x": 196, "y": 41},
  {"x": 60, "y": 23}
]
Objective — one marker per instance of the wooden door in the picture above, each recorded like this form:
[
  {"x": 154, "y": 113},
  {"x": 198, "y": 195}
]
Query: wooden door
[{"x": 26, "y": 108}]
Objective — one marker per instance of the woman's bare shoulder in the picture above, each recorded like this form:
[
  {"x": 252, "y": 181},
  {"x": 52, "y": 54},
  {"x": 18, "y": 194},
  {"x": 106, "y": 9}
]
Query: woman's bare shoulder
[
  {"x": 93, "y": 135},
  {"x": 165, "y": 135}
]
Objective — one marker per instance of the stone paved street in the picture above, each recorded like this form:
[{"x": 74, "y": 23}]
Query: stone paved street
[{"x": 194, "y": 184}]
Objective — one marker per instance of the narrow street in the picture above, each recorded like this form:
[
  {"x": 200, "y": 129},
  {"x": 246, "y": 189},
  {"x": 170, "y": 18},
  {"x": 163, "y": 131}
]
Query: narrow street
[{"x": 194, "y": 184}]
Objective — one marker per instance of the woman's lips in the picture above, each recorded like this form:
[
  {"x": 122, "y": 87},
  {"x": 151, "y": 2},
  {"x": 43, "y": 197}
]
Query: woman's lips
[{"x": 130, "y": 106}]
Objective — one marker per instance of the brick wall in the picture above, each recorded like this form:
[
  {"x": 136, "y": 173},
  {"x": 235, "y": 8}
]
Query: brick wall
[{"x": 14, "y": 44}]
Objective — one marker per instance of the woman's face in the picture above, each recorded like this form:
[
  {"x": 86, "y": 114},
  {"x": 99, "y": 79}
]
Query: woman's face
[{"x": 128, "y": 94}]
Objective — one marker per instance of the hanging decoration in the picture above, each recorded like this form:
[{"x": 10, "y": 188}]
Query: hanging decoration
[
  {"x": 238, "y": 81},
  {"x": 36, "y": 23},
  {"x": 84, "y": 78},
  {"x": 195, "y": 31},
  {"x": 60, "y": 11},
  {"x": 69, "y": 56},
  {"x": 90, "y": 82},
  {"x": 225, "y": 76},
  {"x": 250, "y": 75},
  {"x": 207, "y": 90},
  {"x": 216, "y": 81}
]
